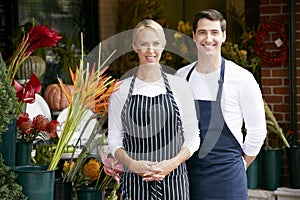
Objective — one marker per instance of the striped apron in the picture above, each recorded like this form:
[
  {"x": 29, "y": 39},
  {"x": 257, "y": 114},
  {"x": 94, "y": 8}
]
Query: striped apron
[
  {"x": 153, "y": 132},
  {"x": 216, "y": 170}
]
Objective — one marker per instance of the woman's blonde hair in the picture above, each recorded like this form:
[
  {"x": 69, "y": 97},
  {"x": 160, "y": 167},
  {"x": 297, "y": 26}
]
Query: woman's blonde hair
[{"x": 149, "y": 23}]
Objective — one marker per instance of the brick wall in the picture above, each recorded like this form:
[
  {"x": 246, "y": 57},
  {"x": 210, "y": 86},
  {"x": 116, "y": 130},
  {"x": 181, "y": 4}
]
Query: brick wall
[{"x": 275, "y": 77}]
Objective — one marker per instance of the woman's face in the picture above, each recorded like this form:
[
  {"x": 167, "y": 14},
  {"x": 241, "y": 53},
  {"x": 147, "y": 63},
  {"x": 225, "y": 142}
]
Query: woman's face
[{"x": 148, "y": 46}]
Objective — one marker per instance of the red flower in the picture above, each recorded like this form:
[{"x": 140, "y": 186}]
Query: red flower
[
  {"x": 27, "y": 94},
  {"x": 40, "y": 123},
  {"x": 52, "y": 128},
  {"x": 37, "y": 37},
  {"x": 29, "y": 129},
  {"x": 24, "y": 123},
  {"x": 41, "y": 36}
]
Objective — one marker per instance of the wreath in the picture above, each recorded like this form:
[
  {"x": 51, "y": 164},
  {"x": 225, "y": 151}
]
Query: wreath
[{"x": 271, "y": 57}]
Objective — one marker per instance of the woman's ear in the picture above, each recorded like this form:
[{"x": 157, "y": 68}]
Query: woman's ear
[{"x": 134, "y": 48}]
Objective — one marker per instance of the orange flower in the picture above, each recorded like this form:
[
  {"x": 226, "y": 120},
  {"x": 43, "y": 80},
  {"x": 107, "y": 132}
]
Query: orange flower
[
  {"x": 92, "y": 169},
  {"x": 68, "y": 166}
]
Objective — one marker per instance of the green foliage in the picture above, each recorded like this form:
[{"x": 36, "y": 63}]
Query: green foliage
[
  {"x": 8, "y": 99},
  {"x": 243, "y": 54},
  {"x": 9, "y": 189}
]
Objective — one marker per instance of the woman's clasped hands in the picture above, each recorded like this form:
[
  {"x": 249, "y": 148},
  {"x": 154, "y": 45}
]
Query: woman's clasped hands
[{"x": 152, "y": 171}]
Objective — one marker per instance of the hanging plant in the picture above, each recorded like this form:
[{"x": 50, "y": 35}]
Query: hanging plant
[{"x": 268, "y": 56}]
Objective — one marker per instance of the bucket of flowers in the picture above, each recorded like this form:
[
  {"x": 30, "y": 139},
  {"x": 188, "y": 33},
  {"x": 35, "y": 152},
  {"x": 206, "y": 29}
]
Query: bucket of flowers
[{"x": 28, "y": 131}]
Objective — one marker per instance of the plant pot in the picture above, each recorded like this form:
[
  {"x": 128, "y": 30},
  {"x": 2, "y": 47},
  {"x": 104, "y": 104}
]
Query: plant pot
[
  {"x": 271, "y": 169},
  {"x": 89, "y": 193},
  {"x": 8, "y": 144},
  {"x": 293, "y": 155},
  {"x": 63, "y": 190},
  {"x": 23, "y": 153},
  {"x": 253, "y": 174},
  {"x": 37, "y": 181}
]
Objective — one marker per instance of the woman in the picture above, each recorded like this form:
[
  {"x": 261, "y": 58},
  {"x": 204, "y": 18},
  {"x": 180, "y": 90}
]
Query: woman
[{"x": 152, "y": 124}]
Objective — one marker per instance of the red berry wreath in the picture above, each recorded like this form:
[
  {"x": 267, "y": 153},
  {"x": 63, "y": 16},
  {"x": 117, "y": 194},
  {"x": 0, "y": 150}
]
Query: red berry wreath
[{"x": 271, "y": 57}]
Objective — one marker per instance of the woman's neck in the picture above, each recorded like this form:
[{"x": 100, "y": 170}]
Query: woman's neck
[{"x": 149, "y": 72}]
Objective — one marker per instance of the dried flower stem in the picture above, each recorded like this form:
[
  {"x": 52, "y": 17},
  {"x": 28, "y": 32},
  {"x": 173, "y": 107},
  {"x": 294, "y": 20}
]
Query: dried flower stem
[{"x": 273, "y": 124}]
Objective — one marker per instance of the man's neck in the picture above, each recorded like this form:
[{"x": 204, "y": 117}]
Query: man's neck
[{"x": 207, "y": 64}]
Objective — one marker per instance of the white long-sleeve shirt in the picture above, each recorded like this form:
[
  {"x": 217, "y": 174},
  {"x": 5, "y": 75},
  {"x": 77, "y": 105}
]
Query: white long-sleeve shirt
[
  {"x": 184, "y": 100},
  {"x": 241, "y": 101}
]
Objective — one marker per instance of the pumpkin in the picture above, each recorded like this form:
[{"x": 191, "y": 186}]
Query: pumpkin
[
  {"x": 33, "y": 64},
  {"x": 55, "y": 97}
]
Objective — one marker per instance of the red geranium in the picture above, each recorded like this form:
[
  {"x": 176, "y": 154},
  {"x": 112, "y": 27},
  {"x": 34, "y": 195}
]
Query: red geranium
[{"x": 29, "y": 129}]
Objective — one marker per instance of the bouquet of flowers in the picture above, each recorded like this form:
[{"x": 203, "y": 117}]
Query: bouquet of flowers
[{"x": 29, "y": 130}]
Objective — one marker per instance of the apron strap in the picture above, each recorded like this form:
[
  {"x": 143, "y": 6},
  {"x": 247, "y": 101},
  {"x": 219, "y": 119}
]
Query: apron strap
[
  {"x": 221, "y": 80},
  {"x": 170, "y": 94},
  {"x": 127, "y": 99}
]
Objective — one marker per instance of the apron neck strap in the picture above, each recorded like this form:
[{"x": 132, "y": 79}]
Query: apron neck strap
[{"x": 221, "y": 80}]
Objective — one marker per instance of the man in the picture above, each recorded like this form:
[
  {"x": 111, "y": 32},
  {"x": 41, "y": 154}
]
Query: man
[{"x": 226, "y": 96}]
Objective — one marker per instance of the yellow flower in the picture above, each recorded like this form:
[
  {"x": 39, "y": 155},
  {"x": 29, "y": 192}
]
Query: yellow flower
[
  {"x": 243, "y": 54},
  {"x": 68, "y": 167},
  {"x": 92, "y": 169}
]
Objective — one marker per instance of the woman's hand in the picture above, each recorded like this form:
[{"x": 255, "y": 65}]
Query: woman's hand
[
  {"x": 165, "y": 167},
  {"x": 142, "y": 167}
]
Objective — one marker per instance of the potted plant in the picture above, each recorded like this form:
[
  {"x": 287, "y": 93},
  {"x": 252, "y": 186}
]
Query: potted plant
[
  {"x": 271, "y": 154},
  {"x": 8, "y": 103},
  {"x": 9, "y": 188},
  {"x": 28, "y": 131}
]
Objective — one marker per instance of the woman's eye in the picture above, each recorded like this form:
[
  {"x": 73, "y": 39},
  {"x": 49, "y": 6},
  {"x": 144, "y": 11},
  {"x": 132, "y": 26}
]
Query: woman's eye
[{"x": 156, "y": 44}]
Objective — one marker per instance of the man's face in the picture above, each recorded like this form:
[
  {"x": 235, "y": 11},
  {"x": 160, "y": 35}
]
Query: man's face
[{"x": 209, "y": 37}]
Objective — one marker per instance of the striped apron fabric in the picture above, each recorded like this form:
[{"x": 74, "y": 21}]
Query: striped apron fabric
[
  {"x": 216, "y": 170},
  {"x": 153, "y": 132}
]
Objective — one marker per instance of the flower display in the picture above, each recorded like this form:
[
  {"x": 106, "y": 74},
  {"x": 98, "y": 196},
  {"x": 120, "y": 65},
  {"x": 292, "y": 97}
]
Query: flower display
[
  {"x": 29, "y": 130},
  {"x": 39, "y": 36},
  {"x": 98, "y": 174},
  {"x": 112, "y": 169},
  {"x": 91, "y": 90},
  {"x": 92, "y": 169},
  {"x": 243, "y": 53}
]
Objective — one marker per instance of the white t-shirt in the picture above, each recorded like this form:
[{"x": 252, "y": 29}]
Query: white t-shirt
[
  {"x": 241, "y": 101},
  {"x": 184, "y": 100}
]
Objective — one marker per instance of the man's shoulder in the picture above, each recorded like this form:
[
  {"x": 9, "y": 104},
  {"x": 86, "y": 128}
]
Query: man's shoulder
[
  {"x": 182, "y": 72},
  {"x": 235, "y": 68}
]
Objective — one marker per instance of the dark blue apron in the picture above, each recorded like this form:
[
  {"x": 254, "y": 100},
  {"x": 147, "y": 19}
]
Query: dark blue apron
[{"x": 216, "y": 170}]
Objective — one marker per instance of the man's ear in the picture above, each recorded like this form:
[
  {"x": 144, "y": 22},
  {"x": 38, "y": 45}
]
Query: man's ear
[
  {"x": 224, "y": 36},
  {"x": 193, "y": 36}
]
